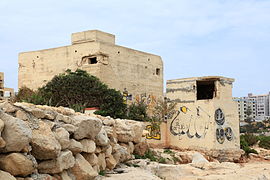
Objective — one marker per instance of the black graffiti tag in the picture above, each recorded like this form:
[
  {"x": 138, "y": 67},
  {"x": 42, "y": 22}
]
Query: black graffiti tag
[{"x": 219, "y": 117}]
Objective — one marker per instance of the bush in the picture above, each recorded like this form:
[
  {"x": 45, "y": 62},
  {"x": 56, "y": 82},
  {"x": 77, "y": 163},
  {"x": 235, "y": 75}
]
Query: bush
[
  {"x": 138, "y": 112},
  {"x": 250, "y": 139},
  {"x": 264, "y": 142},
  {"x": 112, "y": 104},
  {"x": 245, "y": 145},
  {"x": 27, "y": 95},
  {"x": 77, "y": 90}
]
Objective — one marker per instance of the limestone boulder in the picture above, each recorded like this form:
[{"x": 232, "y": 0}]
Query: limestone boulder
[
  {"x": 75, "y": 146},
  {"x": 70, "y": 128},
  {"x": 123, "y": 131},
  {"x": 108, "y": 151},
  {"x": 43, "y": 177},
  {"x": 91, "y": 158},
  {"x": 89, "y": 146},
  {"x": 267, "y": 157},
  {"x": 64, "y": 176},
  {"x": 8, "y": 108},
  {"x": 65, "y": 111},
  {"x": 110, "y": 162},
  {"x": 101, "y": 161},
  {"x": 2, "y": 125},
  {"x": 63, "y": 118},
  {"x": 102, "y": 138},
  {"x": 6, "y": 176},
  {"x": 62, "y": 135},
  {"x": 38, "y": 113},
  {"x": 128, "y": 130},
  {"x": 20, "y": 114},
  {"x": 16, "y": 164},
  {"x": 88, "y": 127},
  {"x": 122, "y": 151},
  {"x": 16, "y": 133},
  {"x": 111, "y": 133},
  {"x": 108, "y": 122},
  {"x": 82, "y": 170},
  {"x": 44, "y": 144},
  {"x": 141, "y": 148},
  {"x": 185, "y": 156},
  {"x": 199, "y": 158},
  {"x": 50, "y": 114},
  {"x": 2, "y": 143},
  {"x": 64, "y": 161}
]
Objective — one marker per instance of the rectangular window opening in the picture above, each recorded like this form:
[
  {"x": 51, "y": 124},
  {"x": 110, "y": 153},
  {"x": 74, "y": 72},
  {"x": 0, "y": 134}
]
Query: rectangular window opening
[
  {"x": 206, "y": 89},
  {"x": 92, "y": 60},
  {"x": 157, "y": 71}
]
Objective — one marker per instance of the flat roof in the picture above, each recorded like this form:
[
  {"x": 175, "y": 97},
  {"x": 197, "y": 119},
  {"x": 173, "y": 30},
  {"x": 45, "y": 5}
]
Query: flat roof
[{"x": 218, "y": 78}]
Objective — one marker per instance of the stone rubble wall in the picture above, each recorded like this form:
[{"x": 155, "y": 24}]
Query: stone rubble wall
[{"x": 47, "y": 143}]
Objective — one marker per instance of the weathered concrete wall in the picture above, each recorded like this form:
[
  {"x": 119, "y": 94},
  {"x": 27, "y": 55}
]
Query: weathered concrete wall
[
  {"x": 139, "y": 73},
  {"x": 158, "y": 138},
  {"x": 206, "y": 124}
]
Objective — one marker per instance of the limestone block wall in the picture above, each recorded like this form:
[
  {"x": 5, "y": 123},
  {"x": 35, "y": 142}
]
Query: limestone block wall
[
  {"x": 42, "y": 142},
  {"x": 138, "y": 73}
]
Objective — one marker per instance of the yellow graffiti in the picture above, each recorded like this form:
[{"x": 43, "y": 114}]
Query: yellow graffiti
[
  {"x": 153, "y": 133},
  {"x": 183, "y": 109}
]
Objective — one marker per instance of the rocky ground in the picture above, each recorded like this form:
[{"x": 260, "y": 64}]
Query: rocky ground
[
  {"x": 48, "y": 143},
  {"x": 192, "y": 165},
  {"x": 193, "y": 171}
]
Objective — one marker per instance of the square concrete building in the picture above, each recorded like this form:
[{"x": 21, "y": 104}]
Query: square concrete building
[
  {"x": 206, "y": 117},
  {"x": 138, "y": 74}
]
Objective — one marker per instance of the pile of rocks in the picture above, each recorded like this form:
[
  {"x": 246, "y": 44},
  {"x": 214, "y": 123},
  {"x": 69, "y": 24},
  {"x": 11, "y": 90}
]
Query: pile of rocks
[{"x": 42, "y": 142}]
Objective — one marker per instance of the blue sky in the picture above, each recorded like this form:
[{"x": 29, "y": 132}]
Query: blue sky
[{"x": 194, "y": 37}]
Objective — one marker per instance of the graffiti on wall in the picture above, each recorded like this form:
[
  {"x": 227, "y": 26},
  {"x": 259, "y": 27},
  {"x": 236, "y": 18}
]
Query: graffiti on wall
[
  {"x": 126, "y": 97},
  {"x": 190, "y": 123},
  {"x": 153, "y": 133},
  {"x": 223, "y": 131},
  {"x": 149, "y": 99}
]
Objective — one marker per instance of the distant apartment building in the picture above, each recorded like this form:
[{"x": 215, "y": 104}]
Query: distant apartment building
[
  {"x": 257, "y": 104},
  {"x": 5, "y": 92},
  {"x": 1, "y": 84}
]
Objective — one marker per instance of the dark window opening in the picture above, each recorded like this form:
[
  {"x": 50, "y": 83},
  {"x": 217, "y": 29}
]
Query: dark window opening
[
  {"x": 92, "y": 60},
  {"x": 205, "y": 90},
  {"x": 158, "y": 71}
]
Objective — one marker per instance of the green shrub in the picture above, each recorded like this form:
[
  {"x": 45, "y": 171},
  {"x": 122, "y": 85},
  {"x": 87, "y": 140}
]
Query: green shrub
[
  {"x": 77, "y": 90},
  {"x": 102, "y": 173},
  {"x": 245, "y": 145},
  {"x": 168, "y": 151},
  {"x": 250, "y": 139},
  {"x": 264, "y": 142},
  {"x": 138, "y": 111}
]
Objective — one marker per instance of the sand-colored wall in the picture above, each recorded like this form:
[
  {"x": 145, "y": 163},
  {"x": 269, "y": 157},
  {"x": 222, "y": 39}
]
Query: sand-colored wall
[
  {"x": 194, "y": 126},
  {"x": 119, "y": 67},
  {"x": 157, "y": 137}
]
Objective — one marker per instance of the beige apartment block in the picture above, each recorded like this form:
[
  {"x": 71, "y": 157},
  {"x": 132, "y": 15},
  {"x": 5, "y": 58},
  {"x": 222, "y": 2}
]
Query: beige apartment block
[
  {"x": 138, "y": 75},
  {"x": 1, "y": 84},
  {"x": 206, "y": 116},
  {"x": 5, "y": 93}
]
